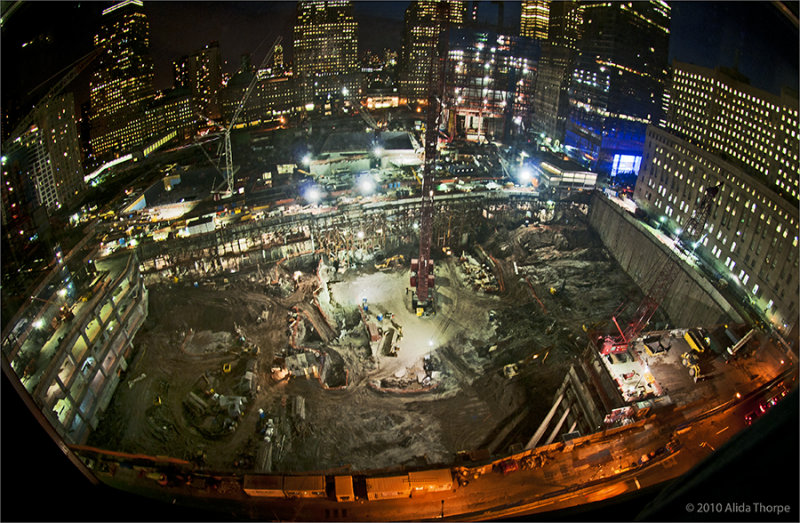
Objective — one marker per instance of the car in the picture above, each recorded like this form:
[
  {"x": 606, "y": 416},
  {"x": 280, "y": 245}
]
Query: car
[{"x": 752, "y": 416}]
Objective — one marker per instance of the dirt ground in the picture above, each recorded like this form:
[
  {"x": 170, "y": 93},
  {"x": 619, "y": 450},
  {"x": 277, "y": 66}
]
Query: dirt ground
[{"x": 185, "y": 394}]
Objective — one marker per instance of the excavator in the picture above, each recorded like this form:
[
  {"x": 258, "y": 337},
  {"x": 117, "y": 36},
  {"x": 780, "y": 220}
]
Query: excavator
[{"x": 390, "y": 262}]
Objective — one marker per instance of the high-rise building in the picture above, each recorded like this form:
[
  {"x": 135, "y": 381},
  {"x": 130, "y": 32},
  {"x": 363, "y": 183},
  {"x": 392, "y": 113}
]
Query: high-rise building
[
  {"x": 720, "y": 130},
  {"x": 201, "y": 72},
  {"x": 550, "y": 101},
  {"x": 617, "y": 83},
  {"x": 719, "y": 111},
  {"x": 490, "y": 83},
  {"x": 326, "y": 50},
  {"x": 123, "y": 82},
  {"x": 420, "y": 37},
  {"x": 534, "y": 19},
  {"x": 51, "y": 156}
]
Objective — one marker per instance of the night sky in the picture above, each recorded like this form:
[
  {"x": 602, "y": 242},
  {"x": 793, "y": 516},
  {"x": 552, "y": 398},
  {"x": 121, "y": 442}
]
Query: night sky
[{"x": 704, "y": 33}]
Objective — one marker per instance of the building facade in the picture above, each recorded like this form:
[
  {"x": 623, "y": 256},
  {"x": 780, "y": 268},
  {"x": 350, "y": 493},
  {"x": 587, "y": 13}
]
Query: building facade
[
  {"x": 617, "y": 83},
  {"x": 534, "y": 19},
  {"x": 720, "y": 112},
  {"x": 490, "y": 84},
  {"x": 720, "y": 130},
  {"x": 201, "y": 73},
  {"x": 122, "y": 84},
  {"x": 421, "y": 34},
  {"x": 71, "y": 364},
  {"x": 558, "y": 51},
  {"x": 326, "y": 51},
  {"x": 47, "y": 159}
]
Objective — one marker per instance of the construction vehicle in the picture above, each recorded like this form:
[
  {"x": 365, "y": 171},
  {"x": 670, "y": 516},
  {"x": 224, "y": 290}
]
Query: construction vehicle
[
  {"x": 697, "y": 346},
  {"x": 390, "y": 262}
]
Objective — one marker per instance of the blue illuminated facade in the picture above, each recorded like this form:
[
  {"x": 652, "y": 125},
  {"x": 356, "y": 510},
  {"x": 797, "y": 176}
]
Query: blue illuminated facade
[{"x": 617, "y": 85}]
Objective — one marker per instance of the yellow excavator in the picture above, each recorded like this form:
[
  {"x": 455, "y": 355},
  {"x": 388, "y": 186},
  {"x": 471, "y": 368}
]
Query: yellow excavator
[{"x": 388, "y": 262}]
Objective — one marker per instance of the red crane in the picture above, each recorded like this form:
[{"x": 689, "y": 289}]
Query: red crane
[
  {"x": 661, "y": 284},
  {"x": 422, "y": 267}
]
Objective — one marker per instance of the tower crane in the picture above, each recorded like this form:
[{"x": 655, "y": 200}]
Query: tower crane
[
  {"x": 229, "y": 172},
  {"x": 662, "y": 282},
  {"x": 76, "y": 68},
  {"x": 422, "y": 267}
]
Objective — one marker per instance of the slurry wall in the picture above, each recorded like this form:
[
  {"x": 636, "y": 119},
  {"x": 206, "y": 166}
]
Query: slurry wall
[{"x": 691, "y": 300}]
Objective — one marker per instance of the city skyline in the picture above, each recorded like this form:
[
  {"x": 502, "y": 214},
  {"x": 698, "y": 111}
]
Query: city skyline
[{"x": 239, "y": 28}]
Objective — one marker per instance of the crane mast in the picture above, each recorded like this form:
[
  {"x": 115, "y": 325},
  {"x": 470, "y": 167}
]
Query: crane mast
[
  {"x": 662, "y": 282},
  {"x": 422, "y": 268},
  {"x": 229, "y": 173}
]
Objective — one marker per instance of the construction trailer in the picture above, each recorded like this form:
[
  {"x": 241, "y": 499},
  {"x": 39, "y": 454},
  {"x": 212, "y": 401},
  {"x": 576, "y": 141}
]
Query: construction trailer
[
  {"x": 438, "y": 480},
  {"x": 263, "y": 486},
  {"x": 388, "y": 488},
  {"x": 304, "y": 486},
  {"x": 343, "y": 488}
]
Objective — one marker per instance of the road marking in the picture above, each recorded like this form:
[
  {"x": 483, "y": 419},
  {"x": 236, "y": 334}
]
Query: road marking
[{"x": 721, "y": 430}]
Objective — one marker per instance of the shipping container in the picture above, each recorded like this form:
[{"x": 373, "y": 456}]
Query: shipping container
[
  {"x": 263, "y": 486},
  {"x": 388, "y": 488},
  {"x": 430, "y": 481},
  {"x": 304, "y": 486}
]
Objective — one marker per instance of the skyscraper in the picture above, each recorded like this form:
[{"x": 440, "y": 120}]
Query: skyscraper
[
  {"x": 490, "y": 83},
  {"x": 52, "y": 155},
  {"x": 617, "y": 83},
  {"x": 326, "y": 50},
  {"x": 534, "y": 19},
  {"x": 123, "y": 82},
  {"x": 201, "y": 73},
  {"x": 550, "y": 101},
  {"x": 420, "y": 37}
]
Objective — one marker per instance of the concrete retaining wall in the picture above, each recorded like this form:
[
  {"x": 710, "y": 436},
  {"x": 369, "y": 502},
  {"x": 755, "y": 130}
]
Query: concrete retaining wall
[{"x": 691, "y": 300}]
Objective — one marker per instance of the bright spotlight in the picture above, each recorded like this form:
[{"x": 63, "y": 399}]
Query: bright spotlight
[
  {"x": 306, "y": 160},
  {"x": 525, "y": 175},
  {"x": 366, "y": 184},
  {"x": 313, "y": 194},
  {"x": 360, "y": 235},
  {"x": 62, "y": 292},
  {"x": 378, "y": 150},
  {"x": 39, "y": 323},
  {"x": 345, "y": 91}
]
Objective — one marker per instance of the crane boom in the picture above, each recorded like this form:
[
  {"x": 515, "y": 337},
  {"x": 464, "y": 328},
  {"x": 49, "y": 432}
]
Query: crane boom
[
  {"x": 663, "y": 281},
  {"x": 73, "y": 73},
  {"x": 228, "y": 153}
]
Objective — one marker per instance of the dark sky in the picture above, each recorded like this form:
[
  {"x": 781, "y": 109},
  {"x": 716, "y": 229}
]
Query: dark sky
[{"x": 705, "y": 33}]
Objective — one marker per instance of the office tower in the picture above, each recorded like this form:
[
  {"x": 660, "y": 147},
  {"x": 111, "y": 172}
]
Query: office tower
[
  {"x": 201, "y": 73},
  {"x": 551, "y": 101},
  {"x": 720, "y": 112},
  {"x": 490, "y": 82},
  {"x": 277, "y": 58},
  {"x": 534, "y": 19},
  {"x": 274, "y": 94},
  {"x": 326, "y": 51},
  {"x": 617, "y": 84},
  {"x": 123, "y": 82},
  {"x": 52, "y": 155},
  {"x": 420, "y": 37},
  {"x": 720, "y": 130}
]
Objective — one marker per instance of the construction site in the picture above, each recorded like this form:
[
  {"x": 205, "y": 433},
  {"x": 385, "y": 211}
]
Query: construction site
[{"x": 301, "y": 366}]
